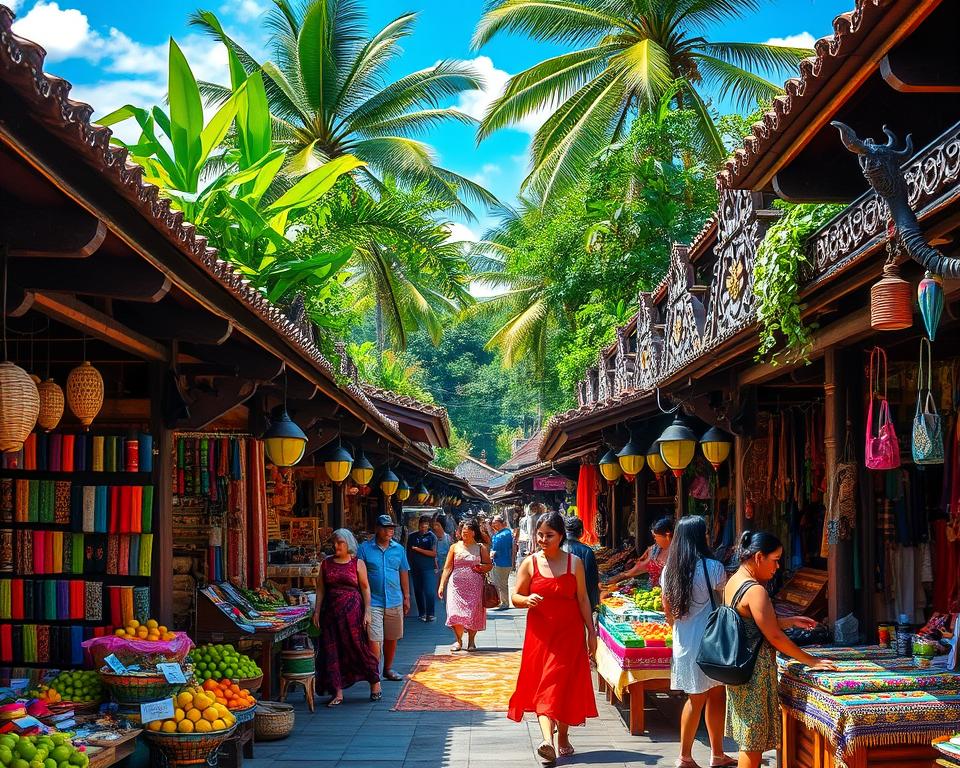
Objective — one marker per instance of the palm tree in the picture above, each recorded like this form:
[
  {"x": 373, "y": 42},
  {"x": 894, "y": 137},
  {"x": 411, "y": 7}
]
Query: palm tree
[
  {"x": 329, "y": 92},
  {"x": 635, "y": 51}
]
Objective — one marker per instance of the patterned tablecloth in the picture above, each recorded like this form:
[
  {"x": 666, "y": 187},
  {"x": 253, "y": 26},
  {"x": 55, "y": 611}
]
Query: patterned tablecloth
[
  {"x": 610, "y": 668},
  {"x": 869, "y": 702}
]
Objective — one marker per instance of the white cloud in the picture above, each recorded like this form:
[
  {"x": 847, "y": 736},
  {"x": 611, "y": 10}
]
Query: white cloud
[
  {"x": 63, "y": 32},
  {"x": 476, "y": 102},
  {"x": 484, "y": 177},
  {"x": 460, "y": 233},
  {"x": 799, "y": 40},
  {"x": 244, "y": 10}
]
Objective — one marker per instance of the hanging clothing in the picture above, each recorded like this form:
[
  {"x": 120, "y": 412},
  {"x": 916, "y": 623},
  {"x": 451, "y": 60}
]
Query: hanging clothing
[{"x": 587, "y": 503}]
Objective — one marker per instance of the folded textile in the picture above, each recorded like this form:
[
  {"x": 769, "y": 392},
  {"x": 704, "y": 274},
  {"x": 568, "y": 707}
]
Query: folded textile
[
  {"x": 146, "y": 514},
  {"x": 56, "y": 551},
  {"x": 113, "y": 554},
  {"x": 63, "y": 599},
  {"x": 146, "y": 452},
  {"x": 93, "y": 600},
  {"x": 30, "y": 451},
  {"x": 123, "y": 554},
  {"x": 61, "y": 502},
  {"x": 6, "y": 643},
  {"x": 110, "y": 453},
  {"x": 126, "y": 604},
  {"x": 16, "y": 599},
  {"x": 141, "y": 603},
  {"x": 77, "y": 599},
  {"x": 77, "y": 553},
  {"x": 6, "y": 500},
  {"x": 33, "y": 503},
  {"x": 95, "y": 553},
  {"x": 21, "y": 501},
  {"x": 89, "y": 508},
  {"x": 6, "y": 599},
  {"x": 76, "y": 645},
  {"x": 116, "y": 607},
  {"x": 133, "y": 556},
  {"x": 131, "y": 453},
  {"x": 49, "y": 591},
  {"x": 98, "y": 448},
  {"x": 67, "y": 553},
  {"x": 126, "y": 509},
  {"x": 67, "y": 454},
  {"x": 101, "y": 502},
  {"x": 136, "y": 508},
  {"x": 6, "y": 550},
  {"x": 146, "y": 554},
  {"x": 39, "y": 551}
]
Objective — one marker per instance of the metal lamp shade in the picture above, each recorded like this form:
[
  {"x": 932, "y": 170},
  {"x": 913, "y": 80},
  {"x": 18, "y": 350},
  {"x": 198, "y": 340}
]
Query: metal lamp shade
[
  {"x": 610, "y": 467},
  {"x": 403, "y": 490},
  {"x": 930, "y": 301},
  {"x": 631, "y": 458},
  {"x": 338, "y": 464},
  {"x": 422, "y": 494},
  {"x": 389, "y": 483},
  {"x": 715, "y": 445},
  {"x": 677, "y": 446},
  {"x": 19, "y": 406},
  {"x": 362, "y": 472},
  {"x": 284, "y": 442},
  {"x": 655, "y": 460}
]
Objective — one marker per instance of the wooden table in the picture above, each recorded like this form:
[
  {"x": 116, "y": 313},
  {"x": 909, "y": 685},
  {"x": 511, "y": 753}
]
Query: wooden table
[
  {"x": 238, "y": 746},
  {"x": 635, "y": 699},
  {"x": 628, "y": 685},
  {"x": 106, "y": 753}
]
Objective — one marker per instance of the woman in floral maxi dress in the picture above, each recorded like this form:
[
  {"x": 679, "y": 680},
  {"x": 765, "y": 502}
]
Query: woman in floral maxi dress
[
  {"x": 467, "y": 562},
  {"x": 343, "y": 615}
]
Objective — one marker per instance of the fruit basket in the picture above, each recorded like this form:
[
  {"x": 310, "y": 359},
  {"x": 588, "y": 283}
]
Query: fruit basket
[
  {"x": 222, "y": 661},
  {"x": 250, "y": 683},
  {"x": 244, "y": 715},
  {"x": 273, "y": 720},
  {"x": 138, "y": 687},
  {"x": 187, "y": 748},
  {"x": 146, "y": 653}
]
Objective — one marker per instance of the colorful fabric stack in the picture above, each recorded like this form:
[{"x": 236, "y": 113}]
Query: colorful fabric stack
[{"x": 83, "y": 452}]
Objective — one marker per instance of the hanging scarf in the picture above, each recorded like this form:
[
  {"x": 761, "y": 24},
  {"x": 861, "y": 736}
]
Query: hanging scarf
[{"x": 587, "y": 503}]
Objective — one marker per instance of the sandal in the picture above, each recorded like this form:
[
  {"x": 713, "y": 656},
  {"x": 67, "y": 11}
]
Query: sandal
[
  {"x": 376, "y": 696},
  {"x": 456, "y": 648},
  {"x": 566, "y": 751},
  {"x": 471, "y": 648},
  {"x": 546, "y": 752},
  {"x": 722, "y": 762},
  {"x": 687, "y": 762},
  {"x": 335, "y": 702},
  {"x": 392, "y": 676}
]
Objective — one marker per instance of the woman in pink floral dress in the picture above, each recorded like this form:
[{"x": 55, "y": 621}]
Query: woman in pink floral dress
[{"x": 467, "y": 562}]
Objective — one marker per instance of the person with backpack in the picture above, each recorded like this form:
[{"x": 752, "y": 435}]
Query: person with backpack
[
  {"x": 753, "y": 710},
  {"x": 688, "y": 577}
]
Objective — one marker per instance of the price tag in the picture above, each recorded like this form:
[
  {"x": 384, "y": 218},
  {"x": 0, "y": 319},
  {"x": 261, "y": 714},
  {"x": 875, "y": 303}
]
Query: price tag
[
  {"x": 115, "y": 664},
  {"x": 156, "y": 710},
  {"x": 172, "y": 671}
]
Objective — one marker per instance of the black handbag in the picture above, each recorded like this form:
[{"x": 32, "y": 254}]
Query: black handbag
[{"x": 725, "y": 655}]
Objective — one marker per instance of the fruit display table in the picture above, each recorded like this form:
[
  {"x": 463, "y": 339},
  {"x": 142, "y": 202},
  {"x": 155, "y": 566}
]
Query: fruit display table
[
  {"x": 103, "y": 754},
  {"x": 875, "y": 710}
]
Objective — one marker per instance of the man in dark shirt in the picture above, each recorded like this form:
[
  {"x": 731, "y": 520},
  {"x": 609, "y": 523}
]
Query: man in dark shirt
[
  {"x": 574, "y": 546},
  {"x": 422, "y": 554}
]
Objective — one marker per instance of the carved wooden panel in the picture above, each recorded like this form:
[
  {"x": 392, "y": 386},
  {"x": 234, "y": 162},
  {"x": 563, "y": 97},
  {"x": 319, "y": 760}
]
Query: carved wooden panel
[
  {"x": 649, "y": 343},
  {"x": 582, "y": 392},
  {"x": 731, "y": 291},
  {"x": 685, "y": 314},
  {"x": 604, "y": 388},
  {"x": 624, "y": 368},
  {"x": 590, "y": 385}
]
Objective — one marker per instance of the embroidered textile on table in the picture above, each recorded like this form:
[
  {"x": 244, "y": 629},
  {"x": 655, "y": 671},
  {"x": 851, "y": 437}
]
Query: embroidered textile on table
[
  {"x": 866, "y": 676},
  {"x": 858, "y": 721}
]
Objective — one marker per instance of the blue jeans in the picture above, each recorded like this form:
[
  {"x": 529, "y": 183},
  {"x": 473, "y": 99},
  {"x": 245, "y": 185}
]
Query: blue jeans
[{"x": 424, "y": 590}]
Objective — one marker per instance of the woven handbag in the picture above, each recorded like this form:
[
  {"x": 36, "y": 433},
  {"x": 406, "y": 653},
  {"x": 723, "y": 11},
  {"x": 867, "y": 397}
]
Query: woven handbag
[
  {"x": 927, "y": 443},
  {"x": 882, "y": 450}
]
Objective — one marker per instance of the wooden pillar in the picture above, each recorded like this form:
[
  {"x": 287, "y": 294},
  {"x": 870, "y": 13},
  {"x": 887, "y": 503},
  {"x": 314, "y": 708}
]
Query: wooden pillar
[
  {"x": 840, "y": 557},
  {"x": 642, "y": 487},
  {"x": 161, "y": 592},
  {"x": 336, "y": 508},
  {"x": 740, "y": 496},
  {"x": 612, "y": 499}
]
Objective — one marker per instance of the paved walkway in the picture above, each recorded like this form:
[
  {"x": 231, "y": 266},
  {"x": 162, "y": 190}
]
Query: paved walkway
[{"x": 361, "y": 733}]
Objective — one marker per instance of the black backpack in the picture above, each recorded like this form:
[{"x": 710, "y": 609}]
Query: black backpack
[{"x": 725, "y": 655}]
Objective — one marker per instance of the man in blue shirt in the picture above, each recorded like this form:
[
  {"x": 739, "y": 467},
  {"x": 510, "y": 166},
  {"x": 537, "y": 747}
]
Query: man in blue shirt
[
  {"x": 501, "y": 552},
  {"x": 387, "y": 572}
]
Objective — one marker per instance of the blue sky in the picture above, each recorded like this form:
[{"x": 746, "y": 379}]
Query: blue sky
[{"x": 115, "y": 52}]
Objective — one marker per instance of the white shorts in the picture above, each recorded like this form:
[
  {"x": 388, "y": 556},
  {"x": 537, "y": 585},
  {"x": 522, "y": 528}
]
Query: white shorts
[{"x": 385, "y": 624}]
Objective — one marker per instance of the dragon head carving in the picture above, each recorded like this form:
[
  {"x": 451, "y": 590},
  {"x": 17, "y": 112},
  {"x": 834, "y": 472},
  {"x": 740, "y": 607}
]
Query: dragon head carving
[{"x": 880, "y": 163}]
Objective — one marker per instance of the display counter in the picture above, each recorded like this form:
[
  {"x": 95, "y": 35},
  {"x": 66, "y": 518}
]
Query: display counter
[{"x": 876, "y": 710}]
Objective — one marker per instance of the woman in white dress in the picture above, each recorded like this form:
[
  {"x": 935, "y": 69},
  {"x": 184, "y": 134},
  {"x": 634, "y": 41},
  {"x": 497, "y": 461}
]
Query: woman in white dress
[{"x": 686, "y": 601}]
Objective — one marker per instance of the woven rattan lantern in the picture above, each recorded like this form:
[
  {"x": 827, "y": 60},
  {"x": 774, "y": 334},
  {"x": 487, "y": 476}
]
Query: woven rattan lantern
[
  {"x": 85, "y": 392},
  {"x": 19, "y": 406},
  {"x": 51, "y": 405},
  {"x": 891, "y": 301}
]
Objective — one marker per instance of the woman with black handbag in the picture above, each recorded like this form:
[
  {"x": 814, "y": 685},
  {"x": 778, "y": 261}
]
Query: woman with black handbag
[{"x": 753, "y": 718}]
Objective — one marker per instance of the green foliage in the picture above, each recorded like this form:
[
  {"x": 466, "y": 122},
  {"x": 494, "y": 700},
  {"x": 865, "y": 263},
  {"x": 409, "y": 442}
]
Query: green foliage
[
  {"x": 459, "y": 449},
  {"x": 777, "y": 280},
  {"x": 389, "y": 370}
]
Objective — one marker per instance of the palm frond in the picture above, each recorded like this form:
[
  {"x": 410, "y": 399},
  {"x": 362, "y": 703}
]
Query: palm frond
[
  {"x": 418, "y": 122},
  {"x": 521, "y": 333},
  {"x": 711, "y": 143},
  {"x": 746, "y": 88},
  {"x": 647, "y": 69},
  {"x": 562, "y": 21},
  {"x": 700, "y": 14},
  {"x": 759, "y": 56}
]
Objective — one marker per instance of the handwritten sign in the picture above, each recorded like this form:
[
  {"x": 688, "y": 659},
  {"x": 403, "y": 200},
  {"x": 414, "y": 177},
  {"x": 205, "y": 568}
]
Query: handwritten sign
[
  {"x": 172, "y": 671},
  {"x": 115, "y": 664},
  {"x": 156, "y": 710}
]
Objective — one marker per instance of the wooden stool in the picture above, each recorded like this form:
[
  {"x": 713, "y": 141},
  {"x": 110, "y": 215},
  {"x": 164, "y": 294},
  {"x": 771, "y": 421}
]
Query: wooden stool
[{"x": 307, "y": 681}]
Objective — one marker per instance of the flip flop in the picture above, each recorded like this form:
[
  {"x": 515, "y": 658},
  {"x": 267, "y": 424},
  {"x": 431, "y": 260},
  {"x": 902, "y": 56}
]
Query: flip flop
[
  {"x": 376, "y": 696},
  {"x": 335, "y": 702},
  {"x": 722, "y": 762},
  {"x": 392, "y": 676},
  {"x": 456, "y": 648},
  {"x": 546, "y": 752},
  {"x": 471, "y": 648},
  {"x": 566, "y": 751}
]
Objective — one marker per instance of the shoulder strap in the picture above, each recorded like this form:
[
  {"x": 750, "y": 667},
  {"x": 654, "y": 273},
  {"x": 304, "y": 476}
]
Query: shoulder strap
[
  {"x": 738, "y": 596},
  {"x": 706, "y": 575}
]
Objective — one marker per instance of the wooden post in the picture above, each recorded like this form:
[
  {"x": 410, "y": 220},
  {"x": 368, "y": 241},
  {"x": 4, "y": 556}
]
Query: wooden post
[
  {"x": 612, "y": 498},
  {"x": 162, "y": 582},
  {"x": 643, "y": 521},
  {"x": 739, "y": 451},
  {"x": 336, "y": 509},
  {"x": 840, "y": 557}
]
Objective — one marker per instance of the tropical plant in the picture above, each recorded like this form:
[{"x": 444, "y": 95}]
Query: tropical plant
[
  {"x": 330, "y": 94},
  {"x": 777, "y": 280},
  {"x": 636, "y": 51},
  {"x": 460, "y": 448},
  {"x": 389, "y": 370}
]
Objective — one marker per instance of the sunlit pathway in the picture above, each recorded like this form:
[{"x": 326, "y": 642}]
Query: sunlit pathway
[{"x": 360, "y": 733}]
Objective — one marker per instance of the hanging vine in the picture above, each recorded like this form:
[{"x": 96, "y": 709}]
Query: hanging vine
[{"x": 776, "y": 283}]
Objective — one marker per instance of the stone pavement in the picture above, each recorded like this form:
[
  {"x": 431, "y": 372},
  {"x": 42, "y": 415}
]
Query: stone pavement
[{"x": 362, "y": 733}]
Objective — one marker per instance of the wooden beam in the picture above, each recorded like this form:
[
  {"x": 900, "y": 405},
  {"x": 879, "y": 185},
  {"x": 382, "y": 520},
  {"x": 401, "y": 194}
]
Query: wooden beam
[
  {"x": 242, "y": 359},
  {"x": 73, "y": 312},
  {"x": 319, "y": 439},
  {"x": 908, "y": 76},
  {"x": 162, "y": 592},
  {"x": 114, "y": 277},
  {"x": 170, "y": 320},
  {"x": 19, "y": 302},
  {"x": 38, "y": 232},
  {"x": 227, "y": 394}
]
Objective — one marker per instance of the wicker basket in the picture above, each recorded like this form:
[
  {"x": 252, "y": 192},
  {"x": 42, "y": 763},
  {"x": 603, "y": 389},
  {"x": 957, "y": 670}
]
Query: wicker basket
[
  {"x": 78, "y": 707},
  {"x": 187, "y": 748},
  {"x": 51, "y": 404},
  {"x": 19, "y": 406},
  {"x": 138, "y": 687},
  {"x": 85, "y": 392},
  {"x": 244, "y": 715},
  {"x": 252, "y": 684},
  {"x": 273, "y": 720}
]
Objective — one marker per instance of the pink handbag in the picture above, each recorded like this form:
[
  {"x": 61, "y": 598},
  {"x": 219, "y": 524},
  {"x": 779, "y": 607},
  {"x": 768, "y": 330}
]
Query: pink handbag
[{"x": 883, "y": 448}]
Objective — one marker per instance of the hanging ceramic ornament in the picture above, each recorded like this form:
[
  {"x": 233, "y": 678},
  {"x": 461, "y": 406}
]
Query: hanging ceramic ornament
[{"x": 930, "y": 299}]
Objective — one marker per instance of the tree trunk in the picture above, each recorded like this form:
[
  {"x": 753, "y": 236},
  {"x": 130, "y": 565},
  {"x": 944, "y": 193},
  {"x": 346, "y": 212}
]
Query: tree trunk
[{"x": 381, "y": 336}]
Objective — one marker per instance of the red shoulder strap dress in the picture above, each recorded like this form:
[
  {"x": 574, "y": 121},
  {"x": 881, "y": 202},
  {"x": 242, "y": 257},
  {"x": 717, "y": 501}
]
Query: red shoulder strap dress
[{"x": 554, "y": 677}]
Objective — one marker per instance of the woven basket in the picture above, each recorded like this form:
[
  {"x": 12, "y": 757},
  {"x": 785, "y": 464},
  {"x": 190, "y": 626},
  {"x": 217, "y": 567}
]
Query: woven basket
[
  {"x": 85, "y": 392},
  {"x": 244, "y": 715},
  {"x": 187, "y": 748},
  {"x": 891, "y": 301},
  {"x": 273, "y": 720},
  {"x": 138, "y": 687},
  {"x": 252, "y": 684},
  {"x": 51, "y": 405},
  {"x": 78, "y": 707},
  {"x": 19, "y": 406}
]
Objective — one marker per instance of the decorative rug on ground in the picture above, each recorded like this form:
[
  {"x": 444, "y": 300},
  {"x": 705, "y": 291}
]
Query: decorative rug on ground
[{"x": 462, "y": 682}]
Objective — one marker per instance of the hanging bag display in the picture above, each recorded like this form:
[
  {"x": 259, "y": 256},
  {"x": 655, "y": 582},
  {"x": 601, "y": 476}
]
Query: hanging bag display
[
  {"x": 725, "y": 653},
  {"x": 882, "y": 448},
  {"x": 927, "y": 444}
]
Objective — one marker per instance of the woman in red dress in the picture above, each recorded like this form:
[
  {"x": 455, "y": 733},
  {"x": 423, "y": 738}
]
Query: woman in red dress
[{"x": 554, "y": 680}]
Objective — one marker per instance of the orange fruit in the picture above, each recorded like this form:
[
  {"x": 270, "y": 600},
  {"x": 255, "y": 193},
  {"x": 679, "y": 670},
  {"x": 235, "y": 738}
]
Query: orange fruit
[
  {"x": 185, "y": 699},
  {"x": 154, "y": 725},
  {"x": 169, "y": 726},
  {"x": 120, "y": 633},
  {"x": 209, "y": 685},
  {"x": 210, "y": 714},
  {"x": 201, "y": 701},
  {"x": 185, "y": 726},
  {"x": 218, "y": 725},
  {"x": 202, "y": 726},
  {"x": 179, "y": 714}
]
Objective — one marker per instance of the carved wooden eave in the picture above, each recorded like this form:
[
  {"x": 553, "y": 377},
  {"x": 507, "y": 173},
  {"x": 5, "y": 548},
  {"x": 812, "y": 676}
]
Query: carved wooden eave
[
  {"x": 624, "y": 365},
  {"x": 685, "y": 314},
  {"x": 649, "y": 343}
]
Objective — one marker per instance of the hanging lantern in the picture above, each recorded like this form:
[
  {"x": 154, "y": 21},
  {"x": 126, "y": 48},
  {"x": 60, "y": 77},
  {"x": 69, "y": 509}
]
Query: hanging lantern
[
  {"x": 891, "y": 301},
  {"x": 19, "y": 406},
  {"x": 389, "y": 483},
  {"x": 362, "y": 472},
  {"x": 930, "y": 300},
  {"x": 284, "y": 442},
  {"x": 85, "y": 392},
  {"x": 337, "y": 465},
  {"x": 403, "y": 490},
  {"x": 715, "y": 445},
  {"x": 610, "y": 467},
  {"x": 631, "y": 458},
  {"x": 422, "y": 494},
  {"x": 655, "y": 460},
  {"x": 51, "y": 405},
  {"x": 677, "y": 445}
]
